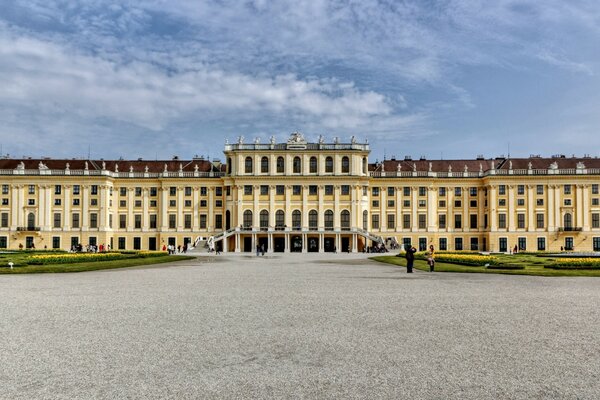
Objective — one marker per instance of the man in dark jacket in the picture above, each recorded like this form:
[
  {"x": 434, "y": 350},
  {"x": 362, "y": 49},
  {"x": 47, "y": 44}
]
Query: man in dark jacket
[{"x": 410, "y": 258}]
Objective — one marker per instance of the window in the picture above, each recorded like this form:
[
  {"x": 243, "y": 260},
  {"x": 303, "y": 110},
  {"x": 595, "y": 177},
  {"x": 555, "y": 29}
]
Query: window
[
  {"x": 93, "y": 220},
  {"x": 541, "y": 244},
  {"x": 442, "y": 221},
  {"x": 4, "y": 202},
  {"x": 110, "y": 221},
  {"x": 187, "y": 221},
  {"x": 365, "y": 220},
  {"x": 57, "y": 220},
  {"x": 153, "y": 203},
  {"x": 264, "y": 190},
  {"x": 520, "y": 202},
  {"x": 296, "y": 190},
  {"x": 539, "y": 202},
  {"x": 595, "y": 201},
  {"x": 218, "y": 221},
  {"x": 391, "y": 221},
  {"x": 75, "y": 221},
  {"x": 345, "y": 165},
  {"x": 520, "y": 190},
  {"x": 31, "y": 202},
  {"x": 94, "y": 202},
  {"x": 153, "y": 191},
  {"x": 328, "y": 190},
  {"x": 345, "y": 190},
  {"x": 502, "y": 202},
  {"x": 279, "y": 190},
  {"x": 264, "y": 220},
  {"x": 596, "y": 243},
  {"x": 56, "y": 242},
  {"x": 473, "y": 191},
  {"x": 297, "y": 165},
  {"x": 391, "y": 203},
  {"x": 390, "y": 191},
  {"x": 569, "y": 244},
  {"x": 422, "y": 191},
  {"x": 474, "y": 244},
  {"x": 122, "y": 191},
  {"x": 3, "y": 242},
  {"x": 203, "y": 191},
  {"x": 405, "y": 221},
  {"x": 137, "y": 203},
  {"x": 594, "y": 188},
  {"x": 280, "y": 165},
  {"x": 173, "y": 203},
  {"x": 329, "y": 220},
  {"x": 186, "y": 203},
  {"x": 279, "y": 219},
  {"x": 312, "y": 190},
  {"x": 521, "y": 221},
  {"x": 57, "y": 202},
  {"x": 248, "y": 190},
  {"x": 458, "y": 243},
  {"x": 75, "y": 202},
  {"x": 152, "y": 221},
  {"x": 501, "y": 190},
  {"x": 312, "y": 165},
  {"x": 122, "y": 221},
  {"x": 375, "y": 192},
  {"x": 219, "y": 191},
  {"x": 4, "y": 189},
  {"x": 539, "y": 189},
  {"x": 473, "y": 203},
  {"x": 406, "y": 203},
  {"x": 442, "y": 203},
  {"x": 502, "y": 221},
  {"x": 313, "y": 220},
  {"x": 296, "y": 220},
  {"x": 458, "y": 191},
  {"x": 375, "y": 203},
  {"x": 94, "y": 190},
  {"x": 422, "y": 203},
  {"x": 187, "y": 191},
  {"x": 567, "y": 202},
  {"x": 329, "y": 164},
  {"x": 32, "y": 189},
  {"x": 473, "y": 221},
  {"x": 595, "y": 220},
  {"x": 247, "y": 219},
  {"x": 539, "y": 221},
  {"x": 422, "y": 221},
  {"x": 443, "y": 244},
  {"x": 76, "y": 189},
  {"x": 264, "y": 165},
  {"x": 375, "y": 221},
  {"x": 4, "y": 222},
  {"x": 121, "y": 242},
  {"x": 567, "y": 189},
  {"x": 248, "y": 165},
  {"x": 172, "y": 191},
  {"x": 457, "y": 203},
  {"x": 442, "y": 192},
  {"x": 172, "y": 221},
  {"x": 345, "y": 220},
  {"x": 457, "y": 221},
  {"x": 138, "y": 191},
  {"x": 57, "y": 189}
]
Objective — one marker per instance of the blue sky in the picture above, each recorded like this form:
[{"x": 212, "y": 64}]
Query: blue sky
[{"x": 157, "y": 78}]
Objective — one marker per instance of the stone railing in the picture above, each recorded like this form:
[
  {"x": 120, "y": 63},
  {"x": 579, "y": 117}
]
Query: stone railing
[
  {"x": 481, "y": 174},
  {"x": 112, "y": 174}
]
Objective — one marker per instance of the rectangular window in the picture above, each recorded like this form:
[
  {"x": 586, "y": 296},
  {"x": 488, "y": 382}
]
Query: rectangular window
[
  {"x": 567, "y": 202},
  {"x": 473, "y": 203},
  {"x": 442, "y": 204},
  {"x": 539, "y": 189},
  {"x": 457, "y": 191},
  {"x": 187, "y": 191},
  {"x": 458, "y": 243},
  {"x": 110, "y": 221},
  {"x": 569, "y": 244},
  {"x": 76, "y": 189},
  {"x": 279, "y": 190},
  {"x": 457, "y": 221},
  {"x": 539, "y": 221},
  {"x": 4, "y": 202},
  {"x": 218, "y": 191},
  {"x": 4, "y": 189},
  {"x": 541, "y": 244},
  {"x": 152, "y": 221},
  {"x": 31, "y": 202},
  {"x": 375, "y": 221},
  {"x": 595, "y": 201},
  {"x": 204, "y": 203},
  {"x": 520, "y": 202},
  {"x": 218, "y": 221},
  {"x": 473, "y": 221},
  {"x": 422, "y": 221},
  {"x": 187, "y": 221},
  {"x": 502, "y": 202},
  {"x": 595, "y": 243},
  {"x": 594, "y": 188},
  {"x": 422, "y": 203},
  {"x": 442, "y": 221},
  {"x": 121, "y": 243},
  {"x": 153, "y": 192},
  {"x": 296, "y": 190},
  {"x": 172, "y": 221},
  {"x": 345, "y": 189},
  {"x": 474, "y": 244},
  {"x": 312, "y": 190},
  {"x": 56, "y": 242},
  {"x": 501, "y": 190},
  {"x": 406, "y": 191},
  {"x": 503, "y": 244},
  {"x": 93, "y": 202},
  {"x": 442, "y": 192},
  {"x": 57, "y": 189},
  {"x": 391, "y": 203},
  {"x": 202, "y": 221},
  {"x": 122, "y": 203},
  {"x": 32, "y": 189},
  {"x": 122, "y": 191},
  {"x": 93, "y": 220},
  {"x": 473, "y": 191},
  {"x": 539, "y": 202},
  {"x": 405, "y": 221},
  {"x": 443, "y": 244},
  {"x": 520, "y": 190},
  {"x": 153, "y": 203},
  {"x": 122, "y": 221},
  {"x": 94, "y": 190},
  {"x": 391, "y": 221},
  {"x": 75, "y": 221},
  {"x": 137, "y": 243},
  {"x": 172, "y": 190},
  {"x": 4, "y": 222},
  {"x": 75, "y": 202},
  {"x": 502, "y": 221},
  {"x": 422, "y": 191},
  {"x": 521, "y": 221},
  {"x": 375, "y": 191},
  {"x": 247, "y": 190},
  {"x": 3, "y": 242},
  {"x": 264, "y": 190},
  {"x": 57, "y": 220},
  {"x": 138, "y": 191},
  {"x": 137, "y": 221},
  {"x": 457, "y": 203},
  {"x": 595, "y": 220},
  {"x": 187, "y": 203},
  {"x": 522, "y": 244},
  {"x": 203, "y": 191},
  {"x": 406, "y": 203},
  {"x": 57, "y": 202},
  {"x": 390, "y": 191},
  {"x": 375, "y": 203},
  {"x": 567, "y": 189}
]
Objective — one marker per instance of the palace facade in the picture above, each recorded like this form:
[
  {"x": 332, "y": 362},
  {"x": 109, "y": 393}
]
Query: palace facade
[{"x": 302, "y": 197}]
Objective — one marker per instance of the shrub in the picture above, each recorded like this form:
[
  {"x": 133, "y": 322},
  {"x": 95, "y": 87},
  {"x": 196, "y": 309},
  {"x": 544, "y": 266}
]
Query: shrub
[
  {"x": 67, "y": 258},
  {"x": 466, "y": 259},
  {"x": 505, "y": 266},
  {"x": 575, "y": 263}
]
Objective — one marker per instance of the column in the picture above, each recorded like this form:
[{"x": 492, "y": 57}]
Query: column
[
  {"x": 130, "y": 200},
  {"x": 336, "y": 207},
  {"x": 492, "y": 207},
  {"x": 586, "y": 208},
  {"x": 431, "y": 209},
  {"x": 179, "y": 208},
  {"x": 579, "y": 210},
  {"x": 321, "y": 209},
  {"x": 414, "y": 203},
  {"x": 511, "y": 208},
  {"x": 550, "y": 208},
  {"x": 398, "y": 209},
  {"x": 304, "y": 208},
  {"x": 85, "y": 207},
  {"x": 530, "y": 209},
  {"x": 288, "y": 207},
  {"x": 145, "y": 209},
  {"x": 211, "y": 207},
  {"x": 255, "y": 207},
  {"x": 557, "y": 204},
  {"x": 164, "y": 206},
  {"x": 272, "y": 209},
  {"x": 67, "y": 208},
  {"x": 383, "y": 208},
  {"x": 239, "y": 218}
]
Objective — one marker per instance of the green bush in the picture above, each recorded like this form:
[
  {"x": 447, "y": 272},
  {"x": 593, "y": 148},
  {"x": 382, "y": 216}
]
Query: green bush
[{"x": 505, "y": 266}]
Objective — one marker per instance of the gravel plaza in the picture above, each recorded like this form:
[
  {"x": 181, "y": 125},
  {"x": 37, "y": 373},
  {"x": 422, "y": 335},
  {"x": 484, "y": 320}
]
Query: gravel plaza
[{"x": 297, "y": 326}]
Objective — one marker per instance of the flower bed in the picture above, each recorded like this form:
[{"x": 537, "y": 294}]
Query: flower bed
[
  {"x": 575, "y": 263},
  {"x": 505, "y": 266},
  {"x": 67, "y": 258},
  {"x": 466, "y": 259}
]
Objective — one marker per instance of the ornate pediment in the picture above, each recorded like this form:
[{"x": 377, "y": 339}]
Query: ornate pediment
[{"x": 296, "y": 141}]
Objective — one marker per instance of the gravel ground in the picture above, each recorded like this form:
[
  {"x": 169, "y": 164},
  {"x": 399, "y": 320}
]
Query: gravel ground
[{"x": 300, "y": 326}]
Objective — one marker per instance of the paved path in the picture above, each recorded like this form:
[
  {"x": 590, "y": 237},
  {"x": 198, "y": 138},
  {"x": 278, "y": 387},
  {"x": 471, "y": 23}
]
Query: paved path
[{"x": 300, "y": 326}]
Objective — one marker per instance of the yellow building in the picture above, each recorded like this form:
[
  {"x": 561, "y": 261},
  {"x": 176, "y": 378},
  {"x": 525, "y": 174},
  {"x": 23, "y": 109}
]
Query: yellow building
[{"x": 304, "y": 197}]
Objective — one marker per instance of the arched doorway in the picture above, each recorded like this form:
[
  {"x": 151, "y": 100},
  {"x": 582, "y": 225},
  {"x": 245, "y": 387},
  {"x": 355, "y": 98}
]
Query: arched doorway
[{"x": 30, "y": 221}]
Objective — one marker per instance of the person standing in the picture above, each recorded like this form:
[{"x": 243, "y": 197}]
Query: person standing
[
  {"x": 431, "y": 258},
  {"x": 410, "y": 259}
]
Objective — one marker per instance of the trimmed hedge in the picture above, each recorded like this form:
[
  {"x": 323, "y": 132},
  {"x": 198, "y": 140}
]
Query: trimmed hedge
[{"x": 505, "y": 266}]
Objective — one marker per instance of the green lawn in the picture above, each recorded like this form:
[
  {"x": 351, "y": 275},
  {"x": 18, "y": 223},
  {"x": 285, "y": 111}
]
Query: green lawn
[
  {"x": 20, "y": 267},
  {"x": 533, "y": 265}
]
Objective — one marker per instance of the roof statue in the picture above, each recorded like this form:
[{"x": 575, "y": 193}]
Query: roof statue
[
  {"x": 414, "y": 167},
  {"x": 466, "y": 168},
  {"x": 480, "y": 168},
  {"x": 272, "y": 140},
  {"x": 180, "y": 167},
  {"x": 131, "y": 168},
  {"x": 116, "y": 167},
  {"x": 554, "y": 165},
  {"x": 296, "y": 138},
  {"x": 509, "y": 164},
  {"x": 336, "y": 140},
  {"x": 41, "y": 165},
  {"x": 86, "y": 166},
  {"x": 146, "y": 169},
  {"x": 256, "y": 140},
  {"x": 430, "y": 166},
  {"x": 493, "y": 165},
  {"x": 353, "y": 140},
  {"x": 240, "y": 140},
  {"x": 165, "y": 167},
  {"x": 529, "y": 165},
  {"x": 321, "y": 139},
  {"x": 226, "y": 141},
  {"x": 450, "y": 168},
  {"x": 67, "y": 166},
  {"x": 580, "y": 165},
  {"x": 103, "y": 165},
  {"x": 382, "y": 167},
  {"x": 195, "y": 167},
  {"x": 399, "y": 167}
]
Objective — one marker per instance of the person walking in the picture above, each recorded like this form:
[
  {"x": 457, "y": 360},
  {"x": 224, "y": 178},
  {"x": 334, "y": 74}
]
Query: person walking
[
  {"x": 431, "y": 258},
  {"x": 410, "y": 259}
]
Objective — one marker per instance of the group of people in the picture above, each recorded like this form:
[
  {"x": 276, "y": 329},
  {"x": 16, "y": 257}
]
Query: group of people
[
  {"x": 171, "y": 249},
  {"x": 378, "y": 248},
  {"x": 90, "y": 248},
  {"x": 410, "y": 258}
]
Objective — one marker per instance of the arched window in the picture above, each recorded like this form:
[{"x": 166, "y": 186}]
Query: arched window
[
  {"x": 345, "y": 165},
  {"x": 313, "y": 166},
  {"x": 328, "y": 220},
  {"x": 279, "y": 219},
  {"x": 248, "y": 165},
  {"x": 313, "y": 222},
  {"x": 568, "y": 219},
  {"x": 329, "y": 164},
  {"x": 364, "y": 165},
  {"x": 247, "y": 219},
  {"x": 264, "y": 165},
  {"x": 296, "y": 220},
  {"x": 297, "y": 165},
  {"x": 366, "y": 220},
  {"x": 280, "y": 165},
  {"x": 264, "y": 220},
  {"x": 345, "y": 220},
  {"x": 30, "y": 220}
]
